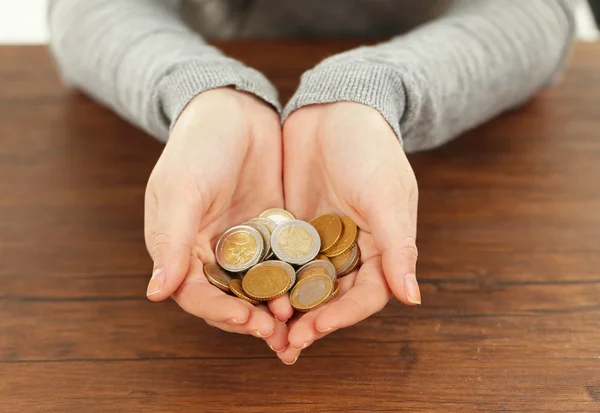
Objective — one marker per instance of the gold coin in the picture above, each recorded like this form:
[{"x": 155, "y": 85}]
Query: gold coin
[
  {"x": 310, "y": 292},
  {"x": 355, "y": 253},
  {"x": 329, "y": 227},
  {"x": 235, "y": 285},
  {"x": 334, "y": 293},
  {"x": 239, "y": 248},
  {"x": 266, "y": 281},
  {"x": 322, "y": 257},
  {"x": 346, "y": 241},
  {"x": 277, "y": 215},
  {"x": 269, "y": 223},
  {"x": 265, "y": 234},
  {"x": 217, "y": 277},
  {"x": 316, "y": 267},
  {"x": 342, "y": 261}
]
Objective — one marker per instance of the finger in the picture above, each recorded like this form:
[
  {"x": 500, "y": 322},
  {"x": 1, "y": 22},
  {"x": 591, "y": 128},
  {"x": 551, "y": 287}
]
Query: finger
[
  {"x": 281, "y": 308},
  {"x": 289, "y": 356},
  {"x": 276, "y": 341},
  {"x": 197, "y": 297},
  {"x": 368, "y": 296},
  {"x": 393, "y": 224},
  {"x": 177, "y": 223}
]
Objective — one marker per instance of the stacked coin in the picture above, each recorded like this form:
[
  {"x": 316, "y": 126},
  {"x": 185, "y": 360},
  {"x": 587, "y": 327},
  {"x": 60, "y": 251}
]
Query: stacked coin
[{"x": 310, "y": 258}]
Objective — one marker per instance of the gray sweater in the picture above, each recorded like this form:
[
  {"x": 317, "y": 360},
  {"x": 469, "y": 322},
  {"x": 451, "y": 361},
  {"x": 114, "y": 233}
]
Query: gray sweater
[{"x": 448, "y": 66}]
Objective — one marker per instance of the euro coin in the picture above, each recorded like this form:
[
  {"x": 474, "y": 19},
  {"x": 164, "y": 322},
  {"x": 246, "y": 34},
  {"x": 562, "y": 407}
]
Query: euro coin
[
  {"x": 265, "y": 282},
  {"x": 311, "y": 292},
  {"x": 329, "y": 227},
  {"x": 296, "y": 242},
  {"x": 355, "y": 259},
  {"x": 288, "y": 268},
  {"x": 266, "y": 236},
  {"x": 346, "y": 241},
  {"x": 277, "y": 215},
  {"x": 316, "y": 267},
  {"x": 217, "y": 277},
  {"x": 269, "y": 223},
  {"x": 235, "y": 285},
  {"x": 334, "y": 293},
  {"x": 239, "y": 248},
  {"x": 344, "y": 261}
]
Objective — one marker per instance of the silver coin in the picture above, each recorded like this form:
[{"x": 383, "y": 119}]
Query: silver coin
[
  {"x": 239, "y": 248},
  {"x": 352, "y": 261},
  {"x": 296, "y": 242},
  {"x": 269, "y": 223},
  {"x": 288, "y": 268},
  {"x": 277, "y": 215},
  {"x": 310, "y": 268},
  {"x": 266, "y": 235}
]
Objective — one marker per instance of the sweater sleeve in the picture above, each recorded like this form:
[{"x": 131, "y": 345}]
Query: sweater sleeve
[
  {"x": 453, "y": 73},
  {"x": 141, "y": 60}
]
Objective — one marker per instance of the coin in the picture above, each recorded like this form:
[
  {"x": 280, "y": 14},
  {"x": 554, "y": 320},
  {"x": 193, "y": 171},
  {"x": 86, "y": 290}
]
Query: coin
[
  {"x": 217, "y": 277},
  {"x": 310, "y": 292},
  {"x": 316, "y": 267},
  {"x": 266, "y": 281},
  {"x": 235, "y": 285},
  {"x": 269, "y": 223},
  {"x": 334, "y": 293},
  {"x": 355, "y": 259},
  {"x": 329, "y": 227},
  {"x": 266, "y": 236},
  {"x": 344, "y": 261},
  {"x": 296, "y": 242},
  {"x": 346, "y": 241},
  {"x": 239, "y": 248},
  {"x": 277, "y": 215},
  {"x": 322, "y": 257},
  {"x": 288, "y": 268}
]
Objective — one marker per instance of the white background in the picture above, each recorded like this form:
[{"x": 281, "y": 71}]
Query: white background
[{"x": 24, "y": 22}]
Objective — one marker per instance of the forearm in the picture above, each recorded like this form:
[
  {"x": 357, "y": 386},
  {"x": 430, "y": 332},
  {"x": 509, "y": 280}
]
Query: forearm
[
  {"x": 451, "y": 74},
  {"x": 139, "y": 58}
]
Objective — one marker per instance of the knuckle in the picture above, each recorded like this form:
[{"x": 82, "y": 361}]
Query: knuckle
[
  {"x": 409, "y": 247},
  {"x": 161, "y": 241}
]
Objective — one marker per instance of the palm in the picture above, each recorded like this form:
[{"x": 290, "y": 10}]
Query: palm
[
  {"x": 222, "y": 165},
  {"x": 332, "y": 164}
]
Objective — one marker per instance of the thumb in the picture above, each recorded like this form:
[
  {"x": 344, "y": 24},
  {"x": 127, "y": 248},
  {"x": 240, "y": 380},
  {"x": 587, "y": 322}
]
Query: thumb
[
  {"x": 392, "y": 221},
  {"x": 176, "y": 227}
]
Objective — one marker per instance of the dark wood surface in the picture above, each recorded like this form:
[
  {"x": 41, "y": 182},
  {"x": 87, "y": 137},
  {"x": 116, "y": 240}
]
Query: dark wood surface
[{"x": 509, "y": 238}]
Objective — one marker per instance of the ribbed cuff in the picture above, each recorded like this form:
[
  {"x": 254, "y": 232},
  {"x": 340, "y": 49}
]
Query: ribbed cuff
[
  {"x": 187, "y": 80},
  {"x": 375, "y": 85}
]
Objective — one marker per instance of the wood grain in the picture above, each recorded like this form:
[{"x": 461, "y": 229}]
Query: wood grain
[{"x": 509, "y": 237}]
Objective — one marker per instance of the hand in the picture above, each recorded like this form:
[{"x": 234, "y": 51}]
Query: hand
[
  {"x": 220, "y": 167},
  {"x": 344, "y": 158}
]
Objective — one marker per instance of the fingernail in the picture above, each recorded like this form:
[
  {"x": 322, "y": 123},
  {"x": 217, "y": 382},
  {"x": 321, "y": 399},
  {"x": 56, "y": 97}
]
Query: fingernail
[
  {"x": 276, "y": 351},
  {"x": 289, "y": 364},
  {"x": 156, "y": 283},
  {"x": 327, "y": 330},
  {"x": 235, "y": 321},
  {"x": 413, "y": 294},
  {"x": 260, "y": 335},
  {"x": 303, "y": 346}
]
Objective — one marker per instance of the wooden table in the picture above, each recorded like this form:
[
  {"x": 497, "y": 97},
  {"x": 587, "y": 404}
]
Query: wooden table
[{"x": 509, "y": 236}]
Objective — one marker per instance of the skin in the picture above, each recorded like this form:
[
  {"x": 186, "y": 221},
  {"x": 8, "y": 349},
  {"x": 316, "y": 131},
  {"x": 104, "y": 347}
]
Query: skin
[
  {"x": 341, "y": 158},
  {"x": 344, "y": 158},
  {"x": 221, "y": 166}
]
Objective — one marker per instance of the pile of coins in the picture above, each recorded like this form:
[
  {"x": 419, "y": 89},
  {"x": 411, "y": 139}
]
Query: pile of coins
[{"x": 266, "y": 257}]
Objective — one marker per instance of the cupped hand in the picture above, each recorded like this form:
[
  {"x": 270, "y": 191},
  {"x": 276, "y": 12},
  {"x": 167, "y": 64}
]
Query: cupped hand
[
  {"x": 221, "y": 166},
  {"x": 344, "y": 158}
]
